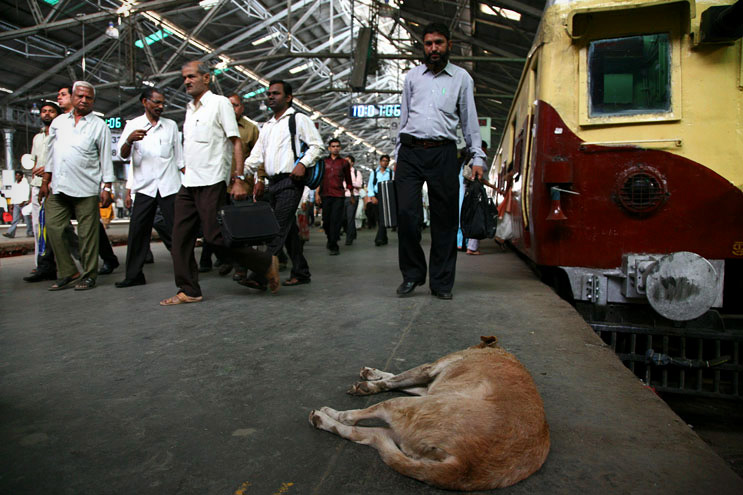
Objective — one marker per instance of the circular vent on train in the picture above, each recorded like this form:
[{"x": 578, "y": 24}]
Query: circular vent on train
[{"x": 641, "y": 189}]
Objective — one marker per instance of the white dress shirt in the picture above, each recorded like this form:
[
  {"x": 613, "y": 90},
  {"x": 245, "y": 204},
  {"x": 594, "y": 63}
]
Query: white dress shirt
[
  {"x": 206, "y": 144},
  {"x": 358, "y": 182},
  {"x": 156, "y": 159},
  {"x": 274, "y": 149},
  {"x": 38, "y": 152},
  {"x": 19, "y": 192},
  {"x": 79, "y": 156}
]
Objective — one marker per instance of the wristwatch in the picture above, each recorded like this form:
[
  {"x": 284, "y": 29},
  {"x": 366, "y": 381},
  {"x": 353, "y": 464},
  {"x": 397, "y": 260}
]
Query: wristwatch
[
  {"x": 107, "y": 189},
  {"x": 241, "y": 177}
]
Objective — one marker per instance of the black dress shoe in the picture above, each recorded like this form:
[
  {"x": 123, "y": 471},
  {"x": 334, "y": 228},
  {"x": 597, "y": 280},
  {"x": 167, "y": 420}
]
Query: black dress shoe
[
  {"x": 407, "y": 288},
  {"x": 40, "y": 276},
  {"x": 441, "y": 294},
  {"x": 130, "y": 282},
  {"x": 107, "y": 269}
]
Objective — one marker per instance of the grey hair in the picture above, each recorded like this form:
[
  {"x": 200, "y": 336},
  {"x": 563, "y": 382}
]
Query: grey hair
[
  {"x": 83, "y": 84},
  {"x": 201, "y": 67}
]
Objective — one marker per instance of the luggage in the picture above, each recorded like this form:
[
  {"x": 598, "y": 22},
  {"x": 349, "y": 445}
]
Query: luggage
[
  {"x": 247, "y": 223},
  {"x": 387, "y": 203},
  {"x": 478, "y": 218}
]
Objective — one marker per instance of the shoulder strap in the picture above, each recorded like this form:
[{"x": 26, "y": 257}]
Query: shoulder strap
[{"x": 293, "y": 133}]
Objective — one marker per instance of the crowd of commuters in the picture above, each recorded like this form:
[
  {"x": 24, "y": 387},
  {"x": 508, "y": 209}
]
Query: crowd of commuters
[{"x": 178, "y": 187}]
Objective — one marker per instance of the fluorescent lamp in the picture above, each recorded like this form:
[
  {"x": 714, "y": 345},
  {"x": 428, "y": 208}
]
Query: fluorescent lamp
[
  {"x": 208, "y": 4},
  {"x": 299, "y": 68},
  {"x": 268, "y": 37},
  {"x": 98, "y": 114},
  {"x": 6, "y": 90},
  {"x": 500, "y": 12}
]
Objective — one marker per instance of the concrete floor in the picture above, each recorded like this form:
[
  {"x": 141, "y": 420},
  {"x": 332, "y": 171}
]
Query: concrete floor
[{"x": 107, "y": 392}]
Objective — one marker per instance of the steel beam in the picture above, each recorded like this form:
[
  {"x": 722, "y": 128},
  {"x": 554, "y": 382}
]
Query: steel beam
[
  {"x": 14, "y": 96},
  {"x": 87, "y": 18}
]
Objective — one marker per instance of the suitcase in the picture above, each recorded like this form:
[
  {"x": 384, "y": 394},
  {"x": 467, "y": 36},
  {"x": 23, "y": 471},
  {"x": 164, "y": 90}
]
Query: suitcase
[
  {"x": 247, "y": 223},
  {"x": 387, "y": 203}
]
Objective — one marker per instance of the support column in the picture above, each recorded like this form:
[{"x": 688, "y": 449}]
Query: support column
[{"x": 8, "y": 135}]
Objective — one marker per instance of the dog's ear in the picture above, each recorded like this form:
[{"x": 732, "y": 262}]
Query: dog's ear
[{"x": 491, "y": 341}]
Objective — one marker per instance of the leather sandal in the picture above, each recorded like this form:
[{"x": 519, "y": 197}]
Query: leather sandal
[
  {"x": 85, "y": 284},
  {"x": 64, "y": 283},
  {"x": 180, "y": 298},
  {"x": 251, "y": 284},
  {"x": 296, "y": 281}
]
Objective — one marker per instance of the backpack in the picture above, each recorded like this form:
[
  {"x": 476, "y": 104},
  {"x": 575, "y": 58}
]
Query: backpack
[{"x": 313, "y": 176}]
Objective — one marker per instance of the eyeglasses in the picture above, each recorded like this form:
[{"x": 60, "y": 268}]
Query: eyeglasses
[{"x": 157, "y": 102}]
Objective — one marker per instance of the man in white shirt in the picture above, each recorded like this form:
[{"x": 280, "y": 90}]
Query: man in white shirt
[
  {"x": 46, "y": 268},
  {"x": 20, "y": 196},
  {"x": 357, "y": 180},
  {"x": 78, "y": 159},
  {"x": 210, "y": 137},
  {"x": 273, "y": 153},
  {"x": 154, "y": 175}
]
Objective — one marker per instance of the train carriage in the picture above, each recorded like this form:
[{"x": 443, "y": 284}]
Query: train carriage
[{"x": 622, "y": 155}]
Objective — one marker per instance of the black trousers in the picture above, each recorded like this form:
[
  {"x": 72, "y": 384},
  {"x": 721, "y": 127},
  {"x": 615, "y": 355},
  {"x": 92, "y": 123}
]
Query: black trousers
[
  {"x": 350, "y": 216},
  {"x": 140, "y": 229},
  {"x": 200, "y": 204},
  {"x": 439, "y": 168},
  {"x": 332, "y": 219}
]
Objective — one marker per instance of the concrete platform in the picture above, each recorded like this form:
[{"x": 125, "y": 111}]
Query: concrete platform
[{"x": 107, "y": 392}]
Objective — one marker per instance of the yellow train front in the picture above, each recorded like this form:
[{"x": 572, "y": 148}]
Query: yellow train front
[{"x": 622, "y": 158}]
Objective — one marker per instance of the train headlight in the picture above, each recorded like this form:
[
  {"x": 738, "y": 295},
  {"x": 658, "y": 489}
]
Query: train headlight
[{"x": 641, "y": 189}]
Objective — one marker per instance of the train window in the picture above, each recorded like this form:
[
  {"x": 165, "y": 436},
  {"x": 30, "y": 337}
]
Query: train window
[{"x": 630, "y": 75}]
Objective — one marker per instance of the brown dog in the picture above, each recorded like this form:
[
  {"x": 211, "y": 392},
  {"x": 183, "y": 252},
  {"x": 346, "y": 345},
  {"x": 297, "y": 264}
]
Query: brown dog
[{"x": 478, "y": 424}]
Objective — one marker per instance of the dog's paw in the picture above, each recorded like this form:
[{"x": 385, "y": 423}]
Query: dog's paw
[
  {"x": 360, "y": 388},
  {"x": 316, "y": 419},
  {"x": 372, "y": 374}
]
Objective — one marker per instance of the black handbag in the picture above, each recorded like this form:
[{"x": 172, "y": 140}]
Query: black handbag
[
  {"x": 247, "y": 223},
  {"x": 479, "y": 215}
]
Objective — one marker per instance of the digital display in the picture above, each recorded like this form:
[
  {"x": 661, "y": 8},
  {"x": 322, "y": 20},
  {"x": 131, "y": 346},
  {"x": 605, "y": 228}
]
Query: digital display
[
  {"x": 114, "y": 122},
  {"x": 374, "y": 110}
]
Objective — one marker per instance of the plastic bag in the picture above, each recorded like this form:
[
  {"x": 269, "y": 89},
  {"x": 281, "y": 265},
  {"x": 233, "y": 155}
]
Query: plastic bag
[{"x": 504, "y": 231}]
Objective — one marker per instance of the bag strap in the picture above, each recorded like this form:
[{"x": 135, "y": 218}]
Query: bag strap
[{"x": 293, "y": 133}]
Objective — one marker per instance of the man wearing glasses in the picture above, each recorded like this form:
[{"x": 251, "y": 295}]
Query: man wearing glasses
[{"x": 154, "y": 176}]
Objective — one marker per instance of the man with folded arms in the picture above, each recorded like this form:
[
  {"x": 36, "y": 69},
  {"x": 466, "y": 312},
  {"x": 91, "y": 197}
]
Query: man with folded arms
[
  {"x": 210, "y": 138},
  {"x": 78, "y": 159}
]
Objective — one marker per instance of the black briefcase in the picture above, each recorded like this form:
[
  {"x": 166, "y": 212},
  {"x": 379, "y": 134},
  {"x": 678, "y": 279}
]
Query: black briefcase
[
  {"x": 387, "y": 203},
  {"x": 247, "y": 223}
]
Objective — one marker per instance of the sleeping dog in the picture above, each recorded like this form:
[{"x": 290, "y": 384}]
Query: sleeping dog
[{"x": 477, "y": 424}]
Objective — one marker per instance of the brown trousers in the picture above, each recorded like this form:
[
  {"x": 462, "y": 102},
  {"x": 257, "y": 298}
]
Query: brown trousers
[{"x": 200, "y": 204}]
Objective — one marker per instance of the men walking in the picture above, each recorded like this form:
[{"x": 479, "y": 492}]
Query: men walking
[
  {"x": 352, "y": 201},
  {"x": 337, "y": 175},
  {"x": 155, "y": 176},
  {"x": 436, "y": 97},
  {"x": 78, "y": 158},
  {"x": 210, "y": 138},
  {"x": 274, "y": 152},
  {"x": 380, "y": 174},
  {"x": 20, "y": 196}
]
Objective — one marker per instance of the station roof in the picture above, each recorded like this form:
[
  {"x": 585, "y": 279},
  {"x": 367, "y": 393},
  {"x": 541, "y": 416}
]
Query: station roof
[{"x": 122, "y": 45}]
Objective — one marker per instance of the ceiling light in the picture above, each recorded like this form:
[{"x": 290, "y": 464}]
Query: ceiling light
[
  {"x": 266, "y": 38},
  {"x": 6, "y": 90},
  {"x": 300, "y": 68},
  {"x": 500, "y": 12},
  {"x": 208, "y": 4}
]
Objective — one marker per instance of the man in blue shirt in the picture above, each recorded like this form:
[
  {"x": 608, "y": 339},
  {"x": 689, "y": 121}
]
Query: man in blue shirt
[
  {"x": 436, "y": 97},
  {"x": 381, "y": 174}
]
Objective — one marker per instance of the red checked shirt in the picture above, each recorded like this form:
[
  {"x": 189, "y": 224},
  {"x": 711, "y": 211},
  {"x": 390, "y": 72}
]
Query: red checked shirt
[{"x": 336, "y": 171}]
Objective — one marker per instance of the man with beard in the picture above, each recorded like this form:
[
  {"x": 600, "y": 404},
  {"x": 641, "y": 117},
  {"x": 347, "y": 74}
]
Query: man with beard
[
  {"x": 155, "y": 176},
  {"x": 436, "y": 97}
]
